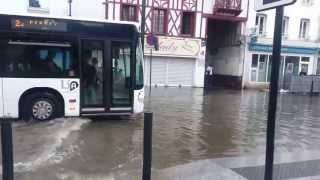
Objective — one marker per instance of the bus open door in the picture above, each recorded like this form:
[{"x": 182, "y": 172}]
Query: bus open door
[{"x": 1, "y": 99}]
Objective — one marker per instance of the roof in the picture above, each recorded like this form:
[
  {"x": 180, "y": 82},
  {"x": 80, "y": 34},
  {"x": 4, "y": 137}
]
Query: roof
[{"x": 137, "y": 25}]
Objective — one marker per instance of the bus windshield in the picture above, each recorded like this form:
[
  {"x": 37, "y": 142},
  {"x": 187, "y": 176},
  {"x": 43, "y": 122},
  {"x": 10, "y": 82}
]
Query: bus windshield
[{"x": 139, "y": 66}]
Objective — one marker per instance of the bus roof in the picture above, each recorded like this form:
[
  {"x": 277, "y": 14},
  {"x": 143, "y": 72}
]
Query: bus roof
[{"x": 137, "y": 25}]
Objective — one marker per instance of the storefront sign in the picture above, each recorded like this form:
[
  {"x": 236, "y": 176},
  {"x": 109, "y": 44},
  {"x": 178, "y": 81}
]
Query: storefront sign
[
  {"x": 284, "y": 49},
  {"x": 175, "y": 46}
]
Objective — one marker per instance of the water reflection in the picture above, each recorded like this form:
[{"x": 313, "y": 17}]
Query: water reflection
[{"x": 189, "y": 125}]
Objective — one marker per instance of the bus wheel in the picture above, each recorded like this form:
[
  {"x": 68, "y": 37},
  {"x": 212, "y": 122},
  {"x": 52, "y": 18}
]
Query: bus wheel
[{"x": 42, "y": 107}]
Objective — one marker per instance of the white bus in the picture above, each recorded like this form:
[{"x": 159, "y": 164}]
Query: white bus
[{"x": 52, "y": 67}]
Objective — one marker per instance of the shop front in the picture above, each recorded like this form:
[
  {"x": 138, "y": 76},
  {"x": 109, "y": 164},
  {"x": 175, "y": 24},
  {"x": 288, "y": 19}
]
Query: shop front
[
  {"x": 294, "y": 61},
  {"x": 178, "y": 62}
]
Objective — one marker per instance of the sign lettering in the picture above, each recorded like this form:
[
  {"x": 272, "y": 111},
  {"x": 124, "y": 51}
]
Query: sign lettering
[
  {"x": 38, "y": 24},
  {"x": 173, "y": 46}
]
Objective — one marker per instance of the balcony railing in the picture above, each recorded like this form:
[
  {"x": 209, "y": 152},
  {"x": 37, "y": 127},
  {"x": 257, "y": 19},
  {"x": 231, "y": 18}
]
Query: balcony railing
[{"x": 227, "y": 7}]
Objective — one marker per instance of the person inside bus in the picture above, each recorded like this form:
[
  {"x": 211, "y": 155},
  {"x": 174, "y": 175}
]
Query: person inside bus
[
  {"x": 91, "y": 82},
  {"x": 50, "y": 65}
]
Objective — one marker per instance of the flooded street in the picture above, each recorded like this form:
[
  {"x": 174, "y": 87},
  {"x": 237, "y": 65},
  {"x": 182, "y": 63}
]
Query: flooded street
[{"x": 189, "y": 126}]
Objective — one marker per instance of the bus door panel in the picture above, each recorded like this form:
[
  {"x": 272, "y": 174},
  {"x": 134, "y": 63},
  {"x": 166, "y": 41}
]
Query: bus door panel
[
  {"x": 1, "y": 98},
  {"x": 121, "y": 76},
  {"x": 3, "y": 43},
  {"x": 92, "y": 76}
]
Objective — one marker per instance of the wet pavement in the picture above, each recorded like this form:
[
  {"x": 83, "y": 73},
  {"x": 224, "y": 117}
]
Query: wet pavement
[{"x": 216, "y": 135}]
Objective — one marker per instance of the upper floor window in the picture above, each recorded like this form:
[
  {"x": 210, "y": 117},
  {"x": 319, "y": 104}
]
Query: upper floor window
[
  {"x": 129, "y": 13},
  {"x": 285, "y": 26},
  {"x": 34, "y": 3},
  {"x": 39, "y": 6},
  {"x": 159, "y": 21},
  {"x": 188, "y": 23},
  {"x": 304, "y": 28},
  {"x": 307, "y": 2},
  {"x": 261, "y": 22}
]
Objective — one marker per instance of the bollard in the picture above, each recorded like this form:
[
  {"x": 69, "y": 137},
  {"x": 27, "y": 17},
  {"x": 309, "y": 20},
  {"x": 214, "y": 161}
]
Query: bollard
[
  {"x": 147, "y": 146},
  {"x": 7, "y": 149}
]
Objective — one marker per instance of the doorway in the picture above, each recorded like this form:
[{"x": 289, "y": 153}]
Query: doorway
[
  {"x": 93, "y": 79},
  {"x": 106, "y": 80}
]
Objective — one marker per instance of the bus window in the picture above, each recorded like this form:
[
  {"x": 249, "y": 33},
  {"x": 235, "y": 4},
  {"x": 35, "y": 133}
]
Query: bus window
[
  {"x": 139, "y": 66},
  {"x": 34, "y": 61},
  {"x": 121, "y": 74}
]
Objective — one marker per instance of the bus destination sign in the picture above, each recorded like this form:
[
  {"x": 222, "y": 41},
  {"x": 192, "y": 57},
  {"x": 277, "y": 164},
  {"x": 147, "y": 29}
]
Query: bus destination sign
[{"x": 38, "y": 24}]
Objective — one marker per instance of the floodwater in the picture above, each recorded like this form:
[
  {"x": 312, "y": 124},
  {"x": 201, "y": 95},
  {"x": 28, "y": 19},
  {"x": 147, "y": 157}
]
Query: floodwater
[{"x": 189, "y": 125}]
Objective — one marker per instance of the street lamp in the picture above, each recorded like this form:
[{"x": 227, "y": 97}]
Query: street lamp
[{"x": 70, "y": 2}]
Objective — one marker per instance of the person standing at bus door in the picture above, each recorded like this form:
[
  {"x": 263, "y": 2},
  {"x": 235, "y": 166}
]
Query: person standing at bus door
[
  {"x": 209, "y": 75},
  {"x": 92, "y": 81}
]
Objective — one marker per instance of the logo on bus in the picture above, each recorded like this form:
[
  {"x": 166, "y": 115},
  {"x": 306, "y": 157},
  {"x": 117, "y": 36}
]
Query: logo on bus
[
  {"x": 70, "y": 85},
  {"x": 74, "y": 85}
]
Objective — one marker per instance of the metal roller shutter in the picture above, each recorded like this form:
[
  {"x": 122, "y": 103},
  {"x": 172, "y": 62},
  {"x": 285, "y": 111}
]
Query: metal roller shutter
[
  {"x": 180, "y": 72},
  {"x": 159, "y": 71},
  {"x": 169, "y": 71}
]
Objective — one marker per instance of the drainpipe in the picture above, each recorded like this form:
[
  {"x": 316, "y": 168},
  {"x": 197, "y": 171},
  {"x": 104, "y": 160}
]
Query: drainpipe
[
  {"x": 143, "y": 22},
  {"x": 70, "y": 7}
]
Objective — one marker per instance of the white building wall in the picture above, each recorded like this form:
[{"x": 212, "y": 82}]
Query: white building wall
[
  {"x": 295, "y": 13},
  {"x": 208, "y": 6},
  {"x": 198, "y": 25},
  {"x": 85, "y": 9},
  {"x": 88, "y": 9},
  {"x": 52, "y": 7}
]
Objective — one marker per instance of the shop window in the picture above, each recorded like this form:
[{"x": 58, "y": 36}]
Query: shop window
[
  {"x": 269, "y": 68},
  {"x": 281, "y": 67},
  {"x": 255, "y": 60},
  {"x": 304, "y": 68},
  {"x": 254, "y": 66},
  {"x": 318, "y": 66},
  {"x": 305, "y": 59},
  {"x": 188, "y": 23},
  {"x": 159, "y": 21},
  {"x": 129, "y": 13},
  {"x": 262, "y": 68},
  {"x": 292, "y": 65}
]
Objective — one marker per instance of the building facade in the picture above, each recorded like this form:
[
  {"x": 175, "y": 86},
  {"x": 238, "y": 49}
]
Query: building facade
[
  {"x": 192, "y": 34},
  {"x": 300, "y": 51}
]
